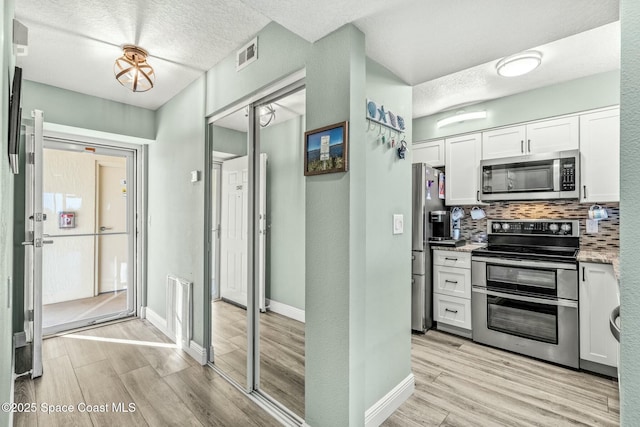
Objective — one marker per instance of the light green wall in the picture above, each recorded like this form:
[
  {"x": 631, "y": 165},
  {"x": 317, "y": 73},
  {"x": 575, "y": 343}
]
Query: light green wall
[
  {"x": 228, "y": 140},
  {"x": 586, "y": 93},
  {"x": 176, "y": 205},
  {"x": 285, "y": 260},
  {"x": 629, "y": 219},
  {"x": 336, "y": 239},
  {"x": 280, "y": 53},
  {"x": 6, "y": 217},
  {"x": 388, "y": 295},
  {"x": 70, "y": 108}
]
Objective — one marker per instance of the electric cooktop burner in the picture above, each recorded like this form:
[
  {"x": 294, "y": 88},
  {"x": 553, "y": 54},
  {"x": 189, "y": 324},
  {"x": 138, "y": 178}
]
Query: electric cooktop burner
[{"x": 532, "y": 239}]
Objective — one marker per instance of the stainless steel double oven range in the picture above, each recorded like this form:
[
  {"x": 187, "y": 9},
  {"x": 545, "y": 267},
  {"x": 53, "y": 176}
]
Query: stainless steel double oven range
[{"x": 525, "y": 289}]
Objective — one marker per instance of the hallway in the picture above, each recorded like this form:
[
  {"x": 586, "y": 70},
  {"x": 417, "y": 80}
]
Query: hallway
[{"x": 133, "y": 364}]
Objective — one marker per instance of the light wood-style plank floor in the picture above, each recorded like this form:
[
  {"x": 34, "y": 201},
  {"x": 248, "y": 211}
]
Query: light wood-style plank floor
[
  {"x": 131, "y": 362},
  {"x": 281, "y": 352},
  {"x": 460, "y": 383}
]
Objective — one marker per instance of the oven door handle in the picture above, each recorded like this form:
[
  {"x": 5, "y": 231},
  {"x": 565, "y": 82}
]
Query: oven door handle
[
  {"x": 526, "y": 263},
  {"x": 557, "y": 302}
]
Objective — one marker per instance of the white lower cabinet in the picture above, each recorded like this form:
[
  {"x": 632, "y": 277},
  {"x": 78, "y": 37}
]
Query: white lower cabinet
[
  {"x": 598, "y": 297},
  {"x": 452, "y": 311},
  {"x": 452, "y": 291}
]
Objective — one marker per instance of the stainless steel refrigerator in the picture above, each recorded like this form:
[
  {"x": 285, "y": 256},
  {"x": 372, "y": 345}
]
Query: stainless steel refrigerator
[{"x": 428, "y": 196}]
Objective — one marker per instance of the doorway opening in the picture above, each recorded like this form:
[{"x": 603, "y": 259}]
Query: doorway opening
[{"x": 88, "y": 264}]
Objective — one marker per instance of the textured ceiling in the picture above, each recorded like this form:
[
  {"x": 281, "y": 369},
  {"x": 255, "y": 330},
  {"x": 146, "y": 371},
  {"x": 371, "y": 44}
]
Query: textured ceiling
[
  {"x": 73, "y": 43},
  {"x": 428, "y": 39},
  {"x": 591, "y": 52}
]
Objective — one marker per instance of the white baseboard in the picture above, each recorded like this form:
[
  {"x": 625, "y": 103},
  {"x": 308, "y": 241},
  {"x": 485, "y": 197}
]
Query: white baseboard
[
  {"x": 156, "y": 320},
  {"x": 383, "y": 408},
  {"x": 286, "y": 310},
  {"x": 195, "y": 350},
  {"x": 142, "y": 312}
]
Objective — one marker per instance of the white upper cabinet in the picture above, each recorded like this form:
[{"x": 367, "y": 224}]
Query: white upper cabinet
[
  {"x": 505, "y": 142},
  {"x": 532, "y": 138},
  {"x": 431, "y": 153},
  {"x": 600, "y": 156},
  {"x": 552, "y": 135},
  {"x": 462, "y": 161}
]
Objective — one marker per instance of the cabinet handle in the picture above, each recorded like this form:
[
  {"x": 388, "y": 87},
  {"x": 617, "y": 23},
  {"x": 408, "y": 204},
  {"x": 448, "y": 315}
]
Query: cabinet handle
[
  {"x": 583, "y": 275},
  {"x": 478, "y": 195},
  {"x": 584, "y": 191},
  {"x": 455, "y": 282},
  {"x": 528, "y": 145},
  {"x": 451, "y": 311},
  {"x": 450, "y": 259},
  {"x": 522, "y": 145}
]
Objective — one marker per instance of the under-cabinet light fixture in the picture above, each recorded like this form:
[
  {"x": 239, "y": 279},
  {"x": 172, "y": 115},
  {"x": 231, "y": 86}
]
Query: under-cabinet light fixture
[{"x": 461, "y": 117}]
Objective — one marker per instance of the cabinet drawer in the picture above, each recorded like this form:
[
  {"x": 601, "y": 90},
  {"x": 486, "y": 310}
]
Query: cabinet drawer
[
  {"x": 452, "y": 311},
  {"x": 452, "y": 281},
  {"x": 452, "y": 259}
]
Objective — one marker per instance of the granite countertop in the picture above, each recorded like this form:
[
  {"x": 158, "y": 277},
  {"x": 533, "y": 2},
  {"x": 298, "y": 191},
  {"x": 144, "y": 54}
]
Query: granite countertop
[
  {"x": 468, "y": 247},
  {"x": 603, "y": 257}
]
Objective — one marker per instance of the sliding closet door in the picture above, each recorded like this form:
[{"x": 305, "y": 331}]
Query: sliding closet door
[
  {"x": 229, "y": 263},
  {"x": 279, "y": 245}
]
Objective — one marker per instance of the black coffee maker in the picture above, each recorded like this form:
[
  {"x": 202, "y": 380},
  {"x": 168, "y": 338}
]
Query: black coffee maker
[{"x": 440, "y": 225}]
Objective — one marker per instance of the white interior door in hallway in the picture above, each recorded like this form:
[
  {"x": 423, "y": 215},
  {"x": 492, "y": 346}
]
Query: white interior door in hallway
[{"x": 234, "y": 228}]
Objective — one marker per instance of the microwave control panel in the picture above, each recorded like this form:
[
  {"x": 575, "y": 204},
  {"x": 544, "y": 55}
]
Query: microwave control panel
[{"x": 568, "y": 173}]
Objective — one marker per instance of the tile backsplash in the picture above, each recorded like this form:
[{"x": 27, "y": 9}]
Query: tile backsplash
[{"x": 607, "y": 238}]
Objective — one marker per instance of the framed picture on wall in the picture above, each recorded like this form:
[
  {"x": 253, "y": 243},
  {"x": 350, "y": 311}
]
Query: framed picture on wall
[{"x": 326, "y": 150}]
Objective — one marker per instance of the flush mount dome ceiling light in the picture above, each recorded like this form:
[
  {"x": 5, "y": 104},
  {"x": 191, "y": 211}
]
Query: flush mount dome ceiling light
[
  {"x": 132, "y": 69},
  {"x": 519, "y": 64}
]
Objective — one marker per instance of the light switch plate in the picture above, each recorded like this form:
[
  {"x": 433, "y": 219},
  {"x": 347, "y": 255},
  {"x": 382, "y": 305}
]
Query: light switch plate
[
  {"x": 195, "y": 176},
  {"x": 592, "y": 226},
  {"x": 398, "y": 223}
]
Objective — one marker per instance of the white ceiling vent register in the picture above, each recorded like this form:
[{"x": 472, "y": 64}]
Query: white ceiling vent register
[{"x": 247, "y": 54}]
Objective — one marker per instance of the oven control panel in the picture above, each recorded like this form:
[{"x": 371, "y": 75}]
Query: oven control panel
[{"x": 555, "y": 227}]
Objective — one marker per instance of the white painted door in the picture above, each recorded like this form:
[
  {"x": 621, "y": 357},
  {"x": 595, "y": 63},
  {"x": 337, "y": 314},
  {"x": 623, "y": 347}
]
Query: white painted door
[
  {"x": 233, "y": 231},
  {"x": 553, "y": 135},
  {"x": 598, "y": 297},
  {"x": 462, "y": 163},
  {"x": 111, "y": 223},
  {"x": 505, "y": 142},
  {"x": 33, "y": 242},
  {"x": 431, "y": 153},
  {"x": 600, "y": 156}
]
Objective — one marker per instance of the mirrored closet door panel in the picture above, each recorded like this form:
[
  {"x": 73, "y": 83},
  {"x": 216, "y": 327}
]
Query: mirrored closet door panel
[
  {"x": 228, "y": 138},
  {"x": 280, "y": 362}
]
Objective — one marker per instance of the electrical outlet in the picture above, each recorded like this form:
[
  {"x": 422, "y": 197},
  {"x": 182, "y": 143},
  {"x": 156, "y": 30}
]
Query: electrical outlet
[
  {"x": 398, "y": 224},
  {"x": 592, "y": 226}
]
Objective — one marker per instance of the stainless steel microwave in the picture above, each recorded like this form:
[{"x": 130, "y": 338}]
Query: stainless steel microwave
[{"x": 533, "y": 177}]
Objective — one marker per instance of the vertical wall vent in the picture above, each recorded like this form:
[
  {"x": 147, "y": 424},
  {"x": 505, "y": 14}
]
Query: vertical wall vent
[
  {"x": 247, "y": 54},
  {"x": 179, "y": 310}
]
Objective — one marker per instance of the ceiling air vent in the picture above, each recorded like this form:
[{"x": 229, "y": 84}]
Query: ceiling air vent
[{"x": 247, "y": 54}]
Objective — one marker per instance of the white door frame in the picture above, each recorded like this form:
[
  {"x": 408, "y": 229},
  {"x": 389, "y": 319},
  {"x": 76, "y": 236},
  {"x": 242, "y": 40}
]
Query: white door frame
[
  {"x": 83, "y": 138},
  {"x": 132, "y": 273}
]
